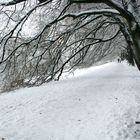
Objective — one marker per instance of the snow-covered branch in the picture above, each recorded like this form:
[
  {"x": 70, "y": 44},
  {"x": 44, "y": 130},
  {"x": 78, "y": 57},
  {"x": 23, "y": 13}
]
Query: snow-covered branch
[
  {"x": 91, "y": 12},
  {"x": 11, "y": 2}
]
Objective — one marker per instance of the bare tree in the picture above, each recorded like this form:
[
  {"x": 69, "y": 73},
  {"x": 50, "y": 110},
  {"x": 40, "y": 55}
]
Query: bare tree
[{"x": 74, "y": 31}]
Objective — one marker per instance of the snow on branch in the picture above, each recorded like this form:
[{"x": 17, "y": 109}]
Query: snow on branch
[
  {"x": 11, "y": 2},
  {"x": 90, "y": 12}
]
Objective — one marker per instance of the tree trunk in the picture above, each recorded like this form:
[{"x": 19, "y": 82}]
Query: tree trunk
[{"x": 136, "y": 47}]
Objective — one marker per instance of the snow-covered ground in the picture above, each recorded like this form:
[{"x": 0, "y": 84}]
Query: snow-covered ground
[{"x": 98, "y": 103}]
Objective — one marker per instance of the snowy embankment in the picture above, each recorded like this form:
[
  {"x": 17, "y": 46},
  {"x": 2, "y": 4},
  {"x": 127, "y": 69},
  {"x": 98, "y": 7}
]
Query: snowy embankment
[{"x": 100, "y": 103}]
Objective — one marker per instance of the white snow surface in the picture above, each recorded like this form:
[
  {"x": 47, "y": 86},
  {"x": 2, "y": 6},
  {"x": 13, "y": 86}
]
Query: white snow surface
[{"x": 95, "y": 104}]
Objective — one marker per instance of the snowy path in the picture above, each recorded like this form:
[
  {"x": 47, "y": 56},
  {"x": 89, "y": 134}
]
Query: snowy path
[{"x": 87, "y": 107}]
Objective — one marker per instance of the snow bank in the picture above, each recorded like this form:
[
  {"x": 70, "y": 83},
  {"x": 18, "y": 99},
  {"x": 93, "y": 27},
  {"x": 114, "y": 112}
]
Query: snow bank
[{"x": 91, "y": 105}]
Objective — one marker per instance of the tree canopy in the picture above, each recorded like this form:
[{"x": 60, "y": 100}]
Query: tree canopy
[{"x": 41, "y": 39}]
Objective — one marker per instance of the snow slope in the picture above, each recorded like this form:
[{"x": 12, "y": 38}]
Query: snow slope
[{"x": 98, "y": 103}]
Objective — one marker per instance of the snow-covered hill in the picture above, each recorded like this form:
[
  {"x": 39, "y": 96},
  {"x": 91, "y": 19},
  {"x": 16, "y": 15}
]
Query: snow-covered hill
[{"x": 98, "y": 103}]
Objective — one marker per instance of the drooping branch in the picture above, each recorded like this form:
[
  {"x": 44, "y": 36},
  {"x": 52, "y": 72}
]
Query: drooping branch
[
  {"x": 111, "y": 3},
  {"x": 14, "y": 2},
  {"x": 92, "y": 12}
]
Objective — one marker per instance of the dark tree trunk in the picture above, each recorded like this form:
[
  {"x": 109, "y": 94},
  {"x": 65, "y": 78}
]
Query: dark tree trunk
[
  {"x": 136, "y": 47},
  {"x": 130, "y": 56}
]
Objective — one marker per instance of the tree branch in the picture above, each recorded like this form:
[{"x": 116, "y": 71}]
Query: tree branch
[{"x": 12, "y": 2}]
